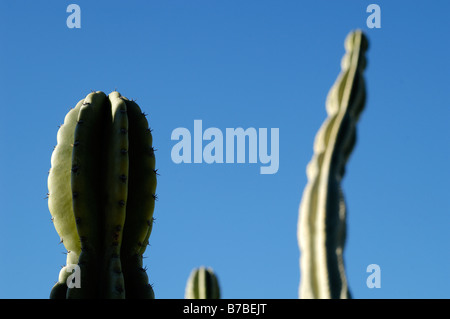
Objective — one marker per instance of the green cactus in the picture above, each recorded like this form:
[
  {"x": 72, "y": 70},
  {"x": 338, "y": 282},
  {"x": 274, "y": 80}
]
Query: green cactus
[
  {"x": 102, "y": 186},
  {"x": 322, "y": 212},
  {"x": 202, "y": 284}
]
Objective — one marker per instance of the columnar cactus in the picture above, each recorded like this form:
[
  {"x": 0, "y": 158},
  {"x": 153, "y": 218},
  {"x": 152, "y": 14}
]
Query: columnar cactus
[
  {"x": 322, "y": 212},
  {"x": 202, "y": 284},
  {"x": 101, "y": 197}
]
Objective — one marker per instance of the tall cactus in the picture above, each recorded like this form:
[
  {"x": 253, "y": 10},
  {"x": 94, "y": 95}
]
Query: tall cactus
[
  {"x": 322, "y": 212},
  {"x": 101, "y": 197},
  {"x": 202, "y": 284}
]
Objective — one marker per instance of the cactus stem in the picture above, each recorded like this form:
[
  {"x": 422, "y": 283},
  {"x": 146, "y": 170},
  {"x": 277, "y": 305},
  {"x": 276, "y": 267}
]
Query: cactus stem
[
  {"x": 322, "y": 211},
  {"x": 102, "y": 152},
  {"x": 202, "y": 284}
]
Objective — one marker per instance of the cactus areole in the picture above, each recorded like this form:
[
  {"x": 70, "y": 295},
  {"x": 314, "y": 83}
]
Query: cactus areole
[{"x": 102, "y": 186}]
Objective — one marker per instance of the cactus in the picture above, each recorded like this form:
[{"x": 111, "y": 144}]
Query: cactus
[
  {"x": 322, "y": 212},
  {"x": 101, "y": 197},
  {"x": 202, "y": 284}
]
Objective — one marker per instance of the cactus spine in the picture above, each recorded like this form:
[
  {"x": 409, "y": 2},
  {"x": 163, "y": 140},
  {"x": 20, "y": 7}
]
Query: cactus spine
[
  {"x": 102, "y": 186},
  {"x": 202, "y": 284},
  {"x": 322, "y": 212}
]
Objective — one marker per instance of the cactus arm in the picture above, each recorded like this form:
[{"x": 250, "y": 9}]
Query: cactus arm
[
  {"x": 60, "y": 193},
  {"x": 202, "y": 284},
  {"x": 87, "y": 191},
  {"x": 60, "y": 197},
  {"x": 141, "y": 184},
  {"x": 140, "y": 204},
  {"x": 322, "y": 212},
  {"x": 117, "y": 190}
]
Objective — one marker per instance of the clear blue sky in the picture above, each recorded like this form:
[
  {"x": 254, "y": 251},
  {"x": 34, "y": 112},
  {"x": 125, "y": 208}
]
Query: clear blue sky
[{"x": 261, "y": 64}]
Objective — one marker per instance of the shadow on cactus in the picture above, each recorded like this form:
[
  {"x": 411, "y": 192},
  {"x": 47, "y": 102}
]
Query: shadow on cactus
[
  {"x": 322, "y": 213},
  {"x": 102, "y": 186}
]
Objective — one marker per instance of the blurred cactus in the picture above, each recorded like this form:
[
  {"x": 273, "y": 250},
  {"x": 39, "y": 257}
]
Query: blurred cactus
[
  {"x": 202, "y": 284},
  {"x": 322, "y": 212},
  {"x": 102, "y": 186}
]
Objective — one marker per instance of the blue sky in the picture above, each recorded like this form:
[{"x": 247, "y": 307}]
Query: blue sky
[{"x": 261, "y": 64}]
